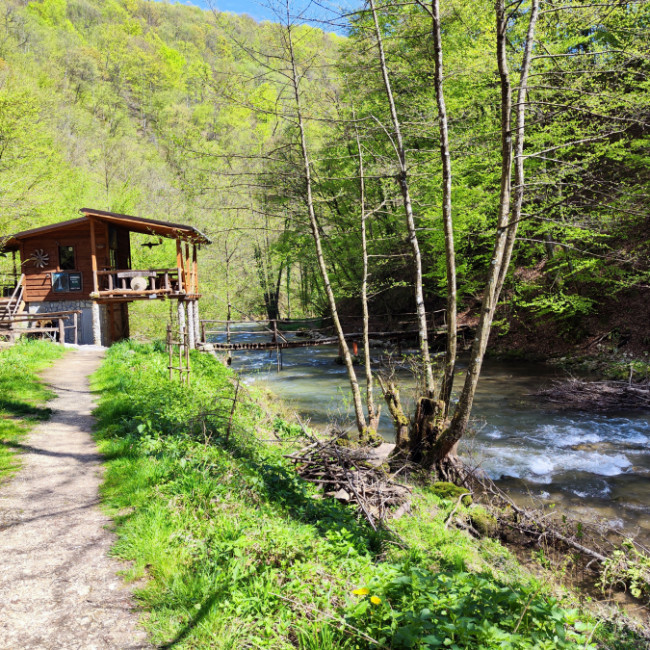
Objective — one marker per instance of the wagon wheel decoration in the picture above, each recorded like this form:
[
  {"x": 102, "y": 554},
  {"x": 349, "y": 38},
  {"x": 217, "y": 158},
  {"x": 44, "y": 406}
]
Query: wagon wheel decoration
[{"x": 40, "y": 258}]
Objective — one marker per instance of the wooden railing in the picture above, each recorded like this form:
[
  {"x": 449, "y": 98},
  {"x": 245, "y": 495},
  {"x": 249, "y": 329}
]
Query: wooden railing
[
  {"x": 117, "y": 282},
  {"x": 51, "y": 323}
]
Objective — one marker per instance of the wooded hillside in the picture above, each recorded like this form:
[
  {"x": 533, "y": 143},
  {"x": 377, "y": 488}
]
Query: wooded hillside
[{"x": 173, "y": 112}]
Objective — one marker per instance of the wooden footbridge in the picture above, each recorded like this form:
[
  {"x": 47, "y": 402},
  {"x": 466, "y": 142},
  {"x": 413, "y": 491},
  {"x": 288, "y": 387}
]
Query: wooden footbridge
[{"x": 226, "y": 336}]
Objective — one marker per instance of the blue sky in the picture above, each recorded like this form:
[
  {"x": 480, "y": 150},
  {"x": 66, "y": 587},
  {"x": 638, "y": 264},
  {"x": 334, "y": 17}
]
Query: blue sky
[
  {"x": 258, "y": 11},
  {"x": 249, "y": 7}
]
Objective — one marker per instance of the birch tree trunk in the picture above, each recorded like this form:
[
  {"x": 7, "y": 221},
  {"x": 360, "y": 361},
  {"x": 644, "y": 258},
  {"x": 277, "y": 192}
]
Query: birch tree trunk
[
  {"x": 506, "y": 223},
  {"x": 345, "y": 352},
  {"x": 450, "y": 254},
  {"x": 408, "y": 209},
  {"x": 373, "y": 412}
]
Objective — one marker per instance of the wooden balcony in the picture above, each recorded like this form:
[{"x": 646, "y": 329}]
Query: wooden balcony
[{"x": 125, "y": 285}]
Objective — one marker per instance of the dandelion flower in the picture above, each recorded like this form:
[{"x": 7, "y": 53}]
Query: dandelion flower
[
  {"x": 364, "y": 591},
  {"x": 375, "y": 600}
]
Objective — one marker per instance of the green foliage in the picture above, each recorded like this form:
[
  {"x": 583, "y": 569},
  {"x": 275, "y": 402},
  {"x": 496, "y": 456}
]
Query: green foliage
[
  {"x": 410, "y": 607},
  {"x": 236, "y": 549},
  {"x": 165, "y": 110},
  {"x": 560, "y": 306},
  {"x": 22, "y": 396},
  {"x": 628, "y": 566}
]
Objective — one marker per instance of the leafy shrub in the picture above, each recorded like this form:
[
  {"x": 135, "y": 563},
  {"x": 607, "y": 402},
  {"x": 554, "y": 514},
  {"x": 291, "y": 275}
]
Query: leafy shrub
[{"x": 411, "y": 607}]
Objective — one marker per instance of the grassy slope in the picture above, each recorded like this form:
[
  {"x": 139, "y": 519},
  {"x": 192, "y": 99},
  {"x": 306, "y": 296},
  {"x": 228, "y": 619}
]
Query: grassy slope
[
  {"x": 238, "y": 552},
  {"x": 22, "y": 396}
]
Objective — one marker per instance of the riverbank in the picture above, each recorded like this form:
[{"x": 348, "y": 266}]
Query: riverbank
[{"x": 235, "y": 549}]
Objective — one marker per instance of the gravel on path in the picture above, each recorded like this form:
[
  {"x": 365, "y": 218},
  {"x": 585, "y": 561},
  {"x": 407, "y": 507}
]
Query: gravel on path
[{"x": 58, "y": 586}]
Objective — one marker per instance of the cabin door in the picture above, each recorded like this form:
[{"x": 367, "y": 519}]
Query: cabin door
[{"x": 118, "y": 317}]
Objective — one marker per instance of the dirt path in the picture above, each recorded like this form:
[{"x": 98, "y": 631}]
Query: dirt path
[{"x": 58, "y": 587}]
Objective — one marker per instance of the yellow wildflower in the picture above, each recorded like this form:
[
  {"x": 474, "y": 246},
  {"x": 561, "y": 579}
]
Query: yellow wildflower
[
  {"x": 375, "y": 600},
  {"x": 364, "y": 591}
]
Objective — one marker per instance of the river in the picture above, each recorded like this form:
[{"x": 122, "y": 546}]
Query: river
[{"x": 590, "y": 465}]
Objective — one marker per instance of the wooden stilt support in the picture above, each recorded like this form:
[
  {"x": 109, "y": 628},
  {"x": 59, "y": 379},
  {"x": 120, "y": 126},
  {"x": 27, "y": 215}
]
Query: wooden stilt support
[
  {"x": 197, "y": 321},
  {"x": 170, "y": 349},
  {"x": 181, "y": 321},
  {"x": 97, "y": 324},
  {"x": 190, "y": 324}
]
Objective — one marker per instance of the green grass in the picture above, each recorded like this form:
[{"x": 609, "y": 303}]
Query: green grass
[
  {"x": 236, "y": 551},
  {"x": 22, "y": 396}
]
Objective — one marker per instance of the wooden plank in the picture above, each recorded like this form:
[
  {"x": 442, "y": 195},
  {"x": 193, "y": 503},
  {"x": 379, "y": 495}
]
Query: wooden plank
[
  {"x": 135, "y": 274},
  {"x": 132, "y": 292}
]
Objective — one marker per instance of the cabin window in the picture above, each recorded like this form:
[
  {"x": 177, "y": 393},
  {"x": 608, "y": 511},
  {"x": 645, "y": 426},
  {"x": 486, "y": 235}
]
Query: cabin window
[
  {"x": 66, "y": 258},
  {"x": 66, "y": 282}
]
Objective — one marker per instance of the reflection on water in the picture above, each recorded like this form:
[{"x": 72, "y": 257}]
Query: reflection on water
[{"x": 586, "y": 463}]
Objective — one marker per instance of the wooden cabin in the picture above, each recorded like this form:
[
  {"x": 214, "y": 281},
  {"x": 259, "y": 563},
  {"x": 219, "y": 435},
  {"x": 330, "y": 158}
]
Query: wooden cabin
[{"x": 85, "y": 265}]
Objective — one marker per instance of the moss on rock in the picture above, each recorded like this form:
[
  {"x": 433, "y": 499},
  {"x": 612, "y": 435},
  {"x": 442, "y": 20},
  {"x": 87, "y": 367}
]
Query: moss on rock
[{"x": 449, "y": 491}]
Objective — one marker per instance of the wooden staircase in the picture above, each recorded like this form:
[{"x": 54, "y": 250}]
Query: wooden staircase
[{"x": 12, "y": 306}]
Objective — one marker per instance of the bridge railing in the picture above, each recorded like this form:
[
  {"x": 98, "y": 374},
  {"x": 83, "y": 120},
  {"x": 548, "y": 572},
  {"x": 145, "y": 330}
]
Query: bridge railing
[{"x": 401, "y": 325}]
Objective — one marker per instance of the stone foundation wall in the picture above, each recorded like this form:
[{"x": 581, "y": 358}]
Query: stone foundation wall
[{"x": 85, "y": 322}]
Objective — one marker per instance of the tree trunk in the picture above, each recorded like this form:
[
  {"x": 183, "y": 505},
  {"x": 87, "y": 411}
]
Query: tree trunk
[
  {"x": 356, "y": 394},
  {"x": 400, "y": 421},
  {"x": 373, "y": 412},
  {"x": 450, "y": 256},
  {"x": 506, "y": 228},
  {"x": 408, "y": 209}
]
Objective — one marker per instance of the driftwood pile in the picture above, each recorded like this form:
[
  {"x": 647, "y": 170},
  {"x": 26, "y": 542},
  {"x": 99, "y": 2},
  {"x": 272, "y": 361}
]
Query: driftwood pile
[
  {"x": 353, "y": 475},
  {"x": 598, "y": 395}
]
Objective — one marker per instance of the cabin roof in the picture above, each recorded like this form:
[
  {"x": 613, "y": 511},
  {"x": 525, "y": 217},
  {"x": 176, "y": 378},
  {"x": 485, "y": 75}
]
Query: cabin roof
[{"x": 131, "y": 223}]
